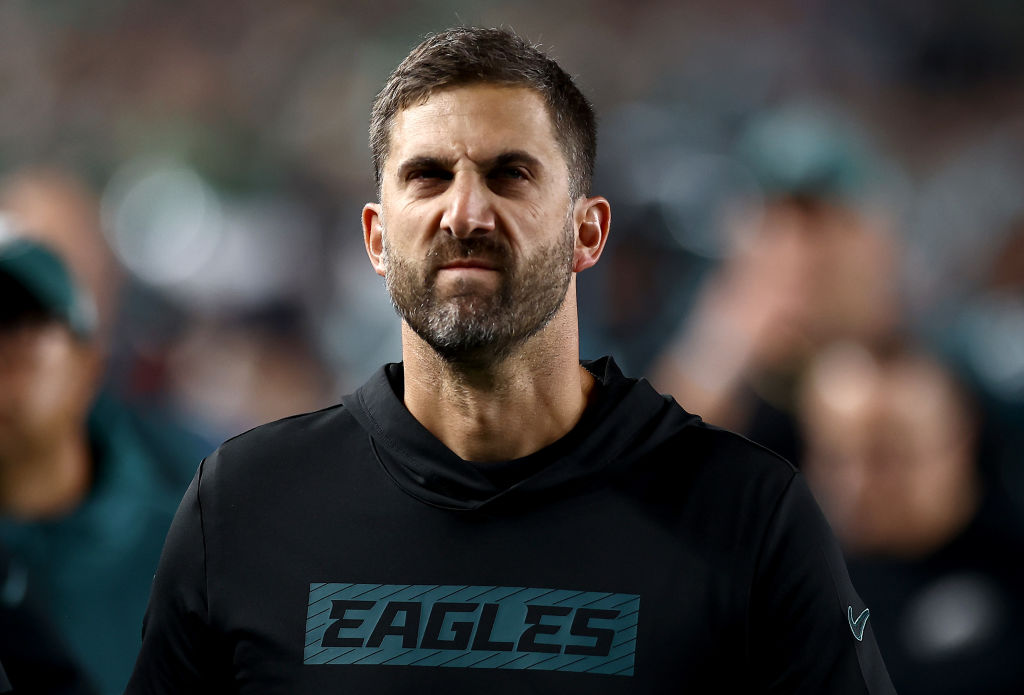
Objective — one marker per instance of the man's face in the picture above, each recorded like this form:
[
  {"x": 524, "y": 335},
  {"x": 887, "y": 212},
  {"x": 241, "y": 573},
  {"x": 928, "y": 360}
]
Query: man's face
[
  {"x": 46, "y": 381},
  {"x": 478, "y": 235},
  {"x": 889, "y": 451}
]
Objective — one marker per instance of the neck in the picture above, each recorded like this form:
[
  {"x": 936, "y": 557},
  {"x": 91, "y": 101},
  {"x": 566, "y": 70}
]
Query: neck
[
  {"x": 506, "y": 409},
  {"x": 48, "y": 481}
]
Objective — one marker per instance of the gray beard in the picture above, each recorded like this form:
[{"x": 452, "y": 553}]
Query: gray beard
[{"x": 481, "y": 326}]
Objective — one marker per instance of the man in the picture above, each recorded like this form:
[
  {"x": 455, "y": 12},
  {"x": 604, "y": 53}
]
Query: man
[
  {"x": 87, "y": 487},
  {"x": 894, "y": 459},
  {"x": 39, "y": 361},
  {"x": 808, "y": 265},
  {"x": 490, "y": 515}
]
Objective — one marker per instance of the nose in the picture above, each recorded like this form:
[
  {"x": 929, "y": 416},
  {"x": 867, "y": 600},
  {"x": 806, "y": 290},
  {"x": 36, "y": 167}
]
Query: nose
[{"x": 468, "y": 209}]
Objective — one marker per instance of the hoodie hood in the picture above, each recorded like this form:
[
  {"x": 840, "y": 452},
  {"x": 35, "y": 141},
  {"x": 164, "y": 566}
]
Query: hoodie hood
[{"x": 625, "y": 419}]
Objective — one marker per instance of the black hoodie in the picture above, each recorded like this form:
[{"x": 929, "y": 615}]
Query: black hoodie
[{"x": 349, "y": 550}]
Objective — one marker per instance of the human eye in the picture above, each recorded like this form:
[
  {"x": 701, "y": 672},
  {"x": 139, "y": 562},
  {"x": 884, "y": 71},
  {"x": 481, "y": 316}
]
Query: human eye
[
  {"x": 428, "y": 174},
  {"x": 509, "y": 179},
  {"x": 510, "y": 173}
]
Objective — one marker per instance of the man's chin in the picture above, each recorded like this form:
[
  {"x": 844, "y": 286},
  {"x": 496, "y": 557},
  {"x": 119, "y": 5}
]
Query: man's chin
[{"x": 469, "y": 340}]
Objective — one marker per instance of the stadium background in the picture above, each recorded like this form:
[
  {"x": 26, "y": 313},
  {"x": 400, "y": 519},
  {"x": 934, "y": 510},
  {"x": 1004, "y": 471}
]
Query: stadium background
[{"x": 220, "y": 148}]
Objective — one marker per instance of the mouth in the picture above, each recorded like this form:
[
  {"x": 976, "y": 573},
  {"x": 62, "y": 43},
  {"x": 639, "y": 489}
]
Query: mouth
[
  {"x": 467, "y": 273},
  {"x": 469, "y": 264}
]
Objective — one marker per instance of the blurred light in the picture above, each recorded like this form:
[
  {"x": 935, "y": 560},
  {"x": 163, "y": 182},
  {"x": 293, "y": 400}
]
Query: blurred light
[
  {"x": 993, "y": 330},
  {"x": 176, "y": 233},
  {"x": 162, "y": 220},
  {"x": 954, "y": 614}
]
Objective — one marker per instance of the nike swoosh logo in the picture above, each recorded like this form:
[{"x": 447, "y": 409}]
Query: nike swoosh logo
[{"x": 857, "y": 626}]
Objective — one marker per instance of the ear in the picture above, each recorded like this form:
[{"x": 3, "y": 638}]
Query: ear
[
  {"x": 373, "y": 235},
  {"x": 593, "y": 218}
]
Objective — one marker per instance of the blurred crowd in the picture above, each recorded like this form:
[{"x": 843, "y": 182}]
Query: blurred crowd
[{"x": 818, "y": 241}]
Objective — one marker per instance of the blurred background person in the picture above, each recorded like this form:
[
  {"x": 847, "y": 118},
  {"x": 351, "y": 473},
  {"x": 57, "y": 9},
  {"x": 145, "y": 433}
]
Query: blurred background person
[
  {"x": 87, "y": 486},
  {"x": 893, "y": 459},
  {"x": 54, "y": 207},
  {"x": 33, "y": 655},
  {"x": 809, "y": 265}
]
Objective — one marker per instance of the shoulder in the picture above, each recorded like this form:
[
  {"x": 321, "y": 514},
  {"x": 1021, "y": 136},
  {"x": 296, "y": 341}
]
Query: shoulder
[
  {"x": 714, "y": 480},
  {"x": 727, "y": 452},
  {"x": 715, "y": 456},
  {"x": 282, "y": 444}
]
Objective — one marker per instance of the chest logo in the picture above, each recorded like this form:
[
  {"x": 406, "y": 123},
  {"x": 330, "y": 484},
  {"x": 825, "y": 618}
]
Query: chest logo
[
  {"x": 857, "y": 626},
  {"x": 472, "y": 627}
]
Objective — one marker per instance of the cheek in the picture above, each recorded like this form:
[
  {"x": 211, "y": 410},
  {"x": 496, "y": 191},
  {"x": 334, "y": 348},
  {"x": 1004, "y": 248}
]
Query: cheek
[
  {"x": 55, "y": 377},
  {"x": 38, "y": 382},
  {"x": 402, "y": 239}
]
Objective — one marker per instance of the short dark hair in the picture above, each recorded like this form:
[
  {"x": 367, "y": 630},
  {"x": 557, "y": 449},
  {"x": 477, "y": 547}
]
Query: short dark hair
[{"x": 469, "y": 55}]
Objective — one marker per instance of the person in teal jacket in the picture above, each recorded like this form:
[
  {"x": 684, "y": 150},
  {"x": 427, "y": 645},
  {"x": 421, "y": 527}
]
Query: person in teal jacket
[{"x": 88, "y": 485}]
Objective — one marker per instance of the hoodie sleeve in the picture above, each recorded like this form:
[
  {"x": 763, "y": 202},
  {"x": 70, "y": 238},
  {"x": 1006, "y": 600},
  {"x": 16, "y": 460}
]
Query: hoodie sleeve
[
  {"x": 179, "y": 652},
  {"x": 809, "y": 631}
]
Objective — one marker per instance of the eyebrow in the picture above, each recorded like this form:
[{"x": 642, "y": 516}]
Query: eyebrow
[
  {"x": 447, "y": 163},
  {"x": 423, "y": 163},
  {"x": 515, "y": 157}
]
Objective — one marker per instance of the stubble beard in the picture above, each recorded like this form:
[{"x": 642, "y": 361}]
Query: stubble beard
[{"x": 473, "y": 324}]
